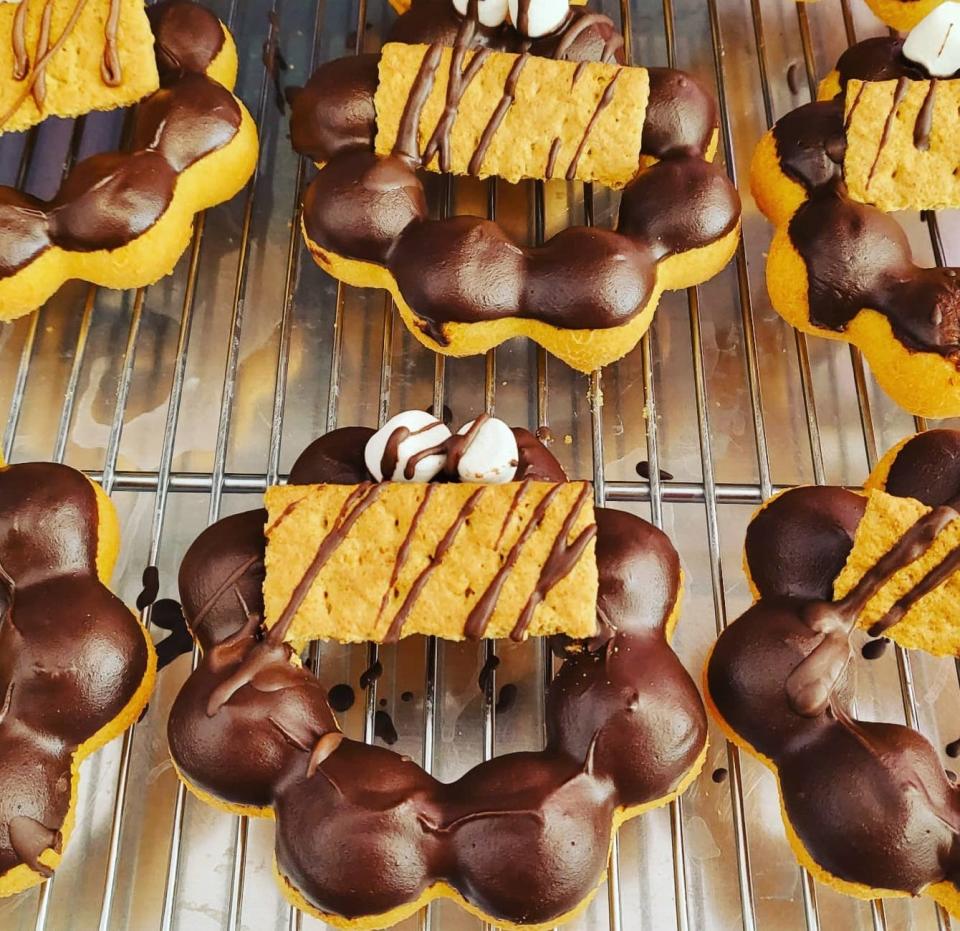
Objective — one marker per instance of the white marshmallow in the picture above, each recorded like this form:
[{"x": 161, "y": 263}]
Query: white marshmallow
[
  {"x": 425, "y": 432},
  {"x": 935, "y": 41},
  {"x": 543, "y": 16},
  {"x": 491, "y": 13},
  {"x": 491, "y": 457}
]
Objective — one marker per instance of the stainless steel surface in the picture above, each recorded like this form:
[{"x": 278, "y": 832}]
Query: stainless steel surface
[{"x": 186, "y": 399}]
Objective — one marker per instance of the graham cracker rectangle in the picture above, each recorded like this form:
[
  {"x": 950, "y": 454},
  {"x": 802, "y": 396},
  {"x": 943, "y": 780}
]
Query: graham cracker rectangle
[
  {"x": 932, "y": 623},
  {"x": 377, "y": 562},
  {"x": 83, "y": 69},
  {"x": 902, "y": 151},
  {"x": 518, "y": 116}
]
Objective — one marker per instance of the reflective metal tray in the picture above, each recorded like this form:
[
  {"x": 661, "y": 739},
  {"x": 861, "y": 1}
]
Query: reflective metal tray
[{"x": 188, "y": 398}]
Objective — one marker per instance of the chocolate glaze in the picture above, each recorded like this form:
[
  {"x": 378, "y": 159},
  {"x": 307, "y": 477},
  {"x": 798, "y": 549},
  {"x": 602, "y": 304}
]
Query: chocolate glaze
[
  {"x": 857, "y": 256},
  {"x": 465, "y": 269},
  {"x": 71, "y": 655},
  {"x": 187, "y": 38},
  {"x": 108, "y": 200},
  {"x": 860, "y": 257},
  {"x": 362, "y": 830},
  {"x": 869, "y": 801}
]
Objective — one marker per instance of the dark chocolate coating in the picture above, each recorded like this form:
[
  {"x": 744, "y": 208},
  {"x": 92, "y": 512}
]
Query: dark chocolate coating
[
  {"x": 927, "y": 467},
  {"x": 798, "y": 543},
  {"x": 466, "y": 269},
  {"x": 187, "y": 38},
  {"x": 856, "y": 256},
  {"x": 362, "y": 830},
  {"x": 870, "y": 802},
  {"x": 71, "y": 655},
  {"x": 108, "y": 200}
]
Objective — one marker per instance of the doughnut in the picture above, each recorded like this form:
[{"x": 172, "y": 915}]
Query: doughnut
[
  {"x": 76, "y": 668},
  {"x": 868, "y": 807},
  {"x": 123, "y": 219},
  {"x": 365, "y": 837},
  {"x": 68, "y": 58},
  {"x": 461, "y": 285},
  {"x": 843, "y": 269}
]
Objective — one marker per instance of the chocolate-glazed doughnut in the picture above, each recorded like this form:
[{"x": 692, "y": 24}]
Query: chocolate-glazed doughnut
[
  {"x": 842, "y": 268},
  {"x": 76, "y": 668},
  {"x": 461, "y": 284},
  {"x": 868, "y": 806},
  {"x": 122, "y": 219},
  {"x": 365, "y": 836}
]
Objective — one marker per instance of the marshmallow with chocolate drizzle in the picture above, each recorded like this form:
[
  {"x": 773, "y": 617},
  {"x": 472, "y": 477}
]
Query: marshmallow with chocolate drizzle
[
  {"x": 362, "y": 831},
  {"x": 413, "y": 446},
  {"x": 374, "y": 209},
  {"x": 870, "y": 802}
]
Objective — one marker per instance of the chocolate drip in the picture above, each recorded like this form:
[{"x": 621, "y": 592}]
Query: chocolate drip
[
  {"x": 810, "y": 687},
  {"x": 498, "y": 115},
  {"x": 563, "y": 556},
  {"x": 43, "y": 46},
  {"x": 459, "y": 79},
  {"x": 899, "y": 92},
  {"x": 396, "y": 625},
  {"x": 37, "y": 74},
  {"x": 552, "y": 157},
  {"x": 29, "y": 839},
  {"x": 605, "y": 99},
  {"x": 407, "y": 147},
  {"x": 356, "y": 503},
  {"x": 403, "y": 551},
  {"x": 625, "y": 724},
  {"x": 21, "y": 57},
  {"x": 933, "y": 579},
  {"x": 924, "y": 123},
  {"x": 577, "y": 26},
  {"x": 110, "y": 69},
  {"x": 479, "y": 617}
]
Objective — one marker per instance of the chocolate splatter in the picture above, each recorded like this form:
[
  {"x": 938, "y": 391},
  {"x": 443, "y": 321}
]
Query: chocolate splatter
[
  {"x": 953, "y": 749},
  {"x": 167, "y": 614},
  {"x": 874, "y": 649},
  {"x": 406, "y": 696},
  {"x": 151, "y": 587},
  {"x": 369, "y": 676},
  {"x": 384, "y": 729},
  {"x": 643, "y": 470},
  {"x": 719, "y": 775},
  {"x": 506, "y": 698},
  {"x": 341, "y": 697},
  {"x": 486, "y": 673}
]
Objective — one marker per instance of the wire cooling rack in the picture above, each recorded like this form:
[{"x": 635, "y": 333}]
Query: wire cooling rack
[{"x": 188, "y": 398}]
